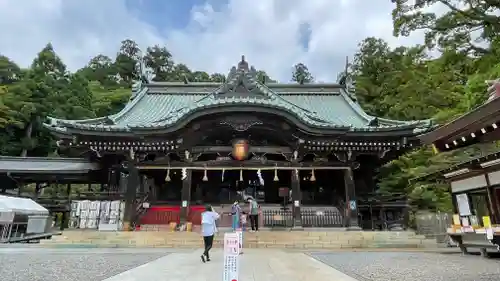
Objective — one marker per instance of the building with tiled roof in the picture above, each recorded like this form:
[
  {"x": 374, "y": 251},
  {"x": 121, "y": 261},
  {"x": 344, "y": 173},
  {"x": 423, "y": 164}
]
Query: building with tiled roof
[{"x": 180, "y": 138}]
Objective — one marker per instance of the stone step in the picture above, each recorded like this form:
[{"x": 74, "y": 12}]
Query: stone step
[{"x": 263, "y": 239}]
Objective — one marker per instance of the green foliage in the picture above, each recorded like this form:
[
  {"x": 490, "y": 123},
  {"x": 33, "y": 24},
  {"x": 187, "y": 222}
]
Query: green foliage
[
  {"x": 301, "y": 74},
  {"x": 101, "y": 88},
  {"x": 404, "y": 83}
]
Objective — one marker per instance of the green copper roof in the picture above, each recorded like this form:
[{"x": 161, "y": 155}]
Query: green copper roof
[{"x": 161, "y": 105}]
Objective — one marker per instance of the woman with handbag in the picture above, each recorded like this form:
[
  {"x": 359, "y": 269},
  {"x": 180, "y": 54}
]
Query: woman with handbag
[{"x": 208, "y": 230}]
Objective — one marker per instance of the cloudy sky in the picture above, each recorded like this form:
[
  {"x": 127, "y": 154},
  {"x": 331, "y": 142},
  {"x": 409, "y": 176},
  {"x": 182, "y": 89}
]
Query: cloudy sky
[{"x": 206, "y": 35}]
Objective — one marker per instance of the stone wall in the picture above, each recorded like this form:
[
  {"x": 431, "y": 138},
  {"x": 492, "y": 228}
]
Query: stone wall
[{"x": 304, "y": 240}]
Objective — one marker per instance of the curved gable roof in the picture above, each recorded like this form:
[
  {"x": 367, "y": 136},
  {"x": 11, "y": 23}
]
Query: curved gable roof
[{"x": 162, "y": 105}]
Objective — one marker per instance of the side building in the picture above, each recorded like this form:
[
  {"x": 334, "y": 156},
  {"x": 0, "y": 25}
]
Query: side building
[
  {"x": 475, "y": 184},
  {"x": 187, "y": 144}
]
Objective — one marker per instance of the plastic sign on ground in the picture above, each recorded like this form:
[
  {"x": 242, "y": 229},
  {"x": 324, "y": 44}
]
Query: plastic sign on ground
[{"x": 231, "y": 257}]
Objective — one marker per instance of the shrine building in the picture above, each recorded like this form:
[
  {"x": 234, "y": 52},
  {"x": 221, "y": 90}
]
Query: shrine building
[{"x": 192, "y": 143}]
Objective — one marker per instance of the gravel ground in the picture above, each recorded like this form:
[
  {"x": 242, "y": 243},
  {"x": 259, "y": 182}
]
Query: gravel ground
[
  {"x": 18, "y": 264},
  {"x": 405, "y": 266}
]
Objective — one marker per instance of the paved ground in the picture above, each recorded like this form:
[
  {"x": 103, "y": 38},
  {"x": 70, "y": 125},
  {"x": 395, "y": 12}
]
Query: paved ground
[
  {"x": 17, "y": 264},
  {"x": 38, "y": 264},
  {"x": 406, "y": 266}
]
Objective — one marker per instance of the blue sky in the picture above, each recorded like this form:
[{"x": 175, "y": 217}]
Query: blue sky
[
  {"x": 205, "y": 35},
  {"x": 166, "y": 14}
]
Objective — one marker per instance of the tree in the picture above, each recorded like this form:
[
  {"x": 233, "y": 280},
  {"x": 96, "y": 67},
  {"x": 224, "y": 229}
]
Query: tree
[
  {"x": 403, "y": 83},
  {"x": 105, "y": 101},
  {"x": 263, "y": 77},
  {"x": 9, "y": 71},
  {"x": 200, "y": 76},
  {"x": 42, "y": 91},
  {"x": 301, "y": 74},
  {"x": 101, "y": 68},
  {"x": 180, "y": 73},
  {"x": 126, "y": 61},
  {"x": 470, "y": 26},
  {"x": 217, "y": 77},
  {"x": 160, "y": 61}
]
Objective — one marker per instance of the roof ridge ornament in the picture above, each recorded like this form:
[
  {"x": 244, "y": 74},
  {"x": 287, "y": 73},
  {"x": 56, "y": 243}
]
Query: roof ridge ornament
[
  {"x": 346, "y": 80},
  {"x": 243, "y": 65}
]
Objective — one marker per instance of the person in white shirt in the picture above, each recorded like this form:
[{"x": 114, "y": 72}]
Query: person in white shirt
[{"x": 208, "y": 229}]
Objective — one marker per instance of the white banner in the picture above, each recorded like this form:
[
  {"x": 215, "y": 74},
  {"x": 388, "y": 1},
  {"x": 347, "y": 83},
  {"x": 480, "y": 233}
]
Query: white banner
[{"x": 231, "y": 257}]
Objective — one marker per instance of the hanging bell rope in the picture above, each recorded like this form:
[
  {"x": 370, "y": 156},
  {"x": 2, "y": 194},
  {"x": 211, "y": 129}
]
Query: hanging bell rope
[
  {"x": 276, "y": 175},
  {"x": 205, "y": 176},
  {"x": 167, "y": 178},
  {"x": 313, "y": 177},
  {"x": 241, "y": 175},
  {"x": 222, "y": 175}
]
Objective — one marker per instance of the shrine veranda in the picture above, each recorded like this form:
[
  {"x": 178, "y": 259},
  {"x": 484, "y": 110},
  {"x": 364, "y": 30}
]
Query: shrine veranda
[{"x": 186, "y": 144}]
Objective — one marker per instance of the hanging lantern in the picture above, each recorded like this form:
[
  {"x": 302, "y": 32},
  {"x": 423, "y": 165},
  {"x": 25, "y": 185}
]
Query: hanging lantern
[
  {"x": 241, "y": 175},
  {"x": 240, "y": 149},
  {"x": 205, "y": 176},
  {"x": 276, "y": 175},
  {"x": 313, "y": 178},
  {"x": 167, "y": 178},
  {"x": 223, "y": 170}
]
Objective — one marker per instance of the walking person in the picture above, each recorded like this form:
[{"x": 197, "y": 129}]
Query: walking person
[
  {"x": 208, "y": 230},
  {"x": 235, "y": 213},
  {"x": 254, "y": 215}
]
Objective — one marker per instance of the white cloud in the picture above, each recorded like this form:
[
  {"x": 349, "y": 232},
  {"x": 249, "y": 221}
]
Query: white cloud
[{"x": 267, "y": 32}]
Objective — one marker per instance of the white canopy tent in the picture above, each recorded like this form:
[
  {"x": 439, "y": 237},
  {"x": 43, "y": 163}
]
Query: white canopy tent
[{"x": 25, "y": 206}]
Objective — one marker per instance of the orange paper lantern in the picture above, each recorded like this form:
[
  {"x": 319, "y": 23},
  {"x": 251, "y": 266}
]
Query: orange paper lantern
[{"x": 240, "y": 150}]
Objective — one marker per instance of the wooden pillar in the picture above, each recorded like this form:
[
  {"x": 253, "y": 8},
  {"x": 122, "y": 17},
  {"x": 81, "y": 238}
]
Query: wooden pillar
[
  {"x": 64, "y": 219},
  {"x": 130, "y": 196},
  {"x": 152, "y": 189},
  {"x": 492, "y": 201},
  {"x": 185, "y": 195},
  {"x": 296, "y": 198},
  {"x": 141, "y": 184},
  {"x": 37, "y": 190},
  {"x": 351, "y": 202},
  {"x": 65, "y": 214},
  {"x": 19, "y": 188}
]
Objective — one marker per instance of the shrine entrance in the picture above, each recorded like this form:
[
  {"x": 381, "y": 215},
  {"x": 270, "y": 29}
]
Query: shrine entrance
[{"x": 318, "y": 187}]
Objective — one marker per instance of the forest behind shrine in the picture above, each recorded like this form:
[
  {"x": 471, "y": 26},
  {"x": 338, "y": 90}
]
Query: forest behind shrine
[{"x": 405, "y": 83}]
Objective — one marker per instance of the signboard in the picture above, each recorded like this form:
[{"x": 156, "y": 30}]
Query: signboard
[
  {"x": 231, "y": 257},
  {"x": 489, "y": 233},
  {"x": 463, "y": 205},
  {"x": 486, "y": 222}
]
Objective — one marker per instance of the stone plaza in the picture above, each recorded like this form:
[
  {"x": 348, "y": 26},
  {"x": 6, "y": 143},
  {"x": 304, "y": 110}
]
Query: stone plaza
[{"x": 99, "y": 264}]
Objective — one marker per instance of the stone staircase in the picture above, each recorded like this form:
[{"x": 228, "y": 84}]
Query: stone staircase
[{"x": 304, "y": 240}]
